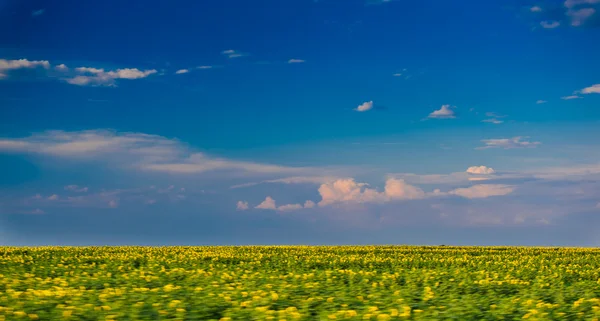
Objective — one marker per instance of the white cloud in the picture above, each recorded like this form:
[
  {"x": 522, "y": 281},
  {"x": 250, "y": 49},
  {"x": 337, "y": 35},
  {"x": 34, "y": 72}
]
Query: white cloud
[
  {"x": 480, "y": 170},
  {"x": 53, "y": 197},
  {"x": 7, "y": 65},
  {"x": 483, "y": 191},
  {"x": 508, "y": 143},
  {"x": 267, "y": 204},
  {"x": 594, "y": 89},
  {"x": 579, "y": 16},
  {"x": 62, "y": 67},
  {"x": 232, "y": 53},
  {"x": 550, "y": 24},
  {"x": 368, "y": 105},
  {"x": 535, "y": 9},
  {"x": 134, "y": 151},
  {"x": 493, "y": 121},
  {"x": 295, "y": 61},
  {"x": 541, "y": 101},
  {"x": 443, "y": 113},
  {"x": 182, "y": 71},
  {"x": 76, "y": 188},
  {"x": 289, "y": 207},
  {"x": 99, "y": 77},
  {"x": 204, "y": 67},
  {"x": 570, "y": 97},
  {"x": 347, "y": 190},
  {"x": 242, "y": 206},
  {"x": 397, "y": 74},
  {"x": 113, "y": 204},
  {"x": 309, "y": 204}
]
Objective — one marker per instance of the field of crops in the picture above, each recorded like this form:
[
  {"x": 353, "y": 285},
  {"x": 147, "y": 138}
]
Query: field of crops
[{"x": 299, "y": 283}]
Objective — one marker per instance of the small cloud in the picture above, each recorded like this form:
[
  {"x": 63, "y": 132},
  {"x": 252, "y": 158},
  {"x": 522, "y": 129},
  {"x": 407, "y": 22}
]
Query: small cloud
[
  {"x": 397, "y": 74},
  {"x": 570, "y": 97},
  {"x": 53, "y": 197},
  {"x": 204, "y": 67},
  {"x": 594, "y": 89},
  {"x": 62, "y": 67},
  {"x": 550, "y": 24},
  {"x": 289, "y": 207},
  {"x": 37, "y": 196},
  {"x": 364, "y": 106},
  {"x": 99, "y": 77},
  {"x": 580, "y": 16},
  {"x": 38, "y": 12},
  {"x": 480, "y": 170},
  {"x": 508, "y": 143},
  {"x": 445, "y": 112},
  {"x": 493, "y": 121},
  {"x": 232, "y": 53},
  {"x": 242, "y": 206},
  {"x": 113, "y": 204},
  {"x": 76, "y": 188},
  {"x": 7, "y": 65},
  {"x": 535, "y": 9},
  {"x": 483, "y": 191},
  {"x": 495, "y": 115},
  {"x": 182, "y": 71},
  {"x": 267, "y": 204},
  {"x": 295, "y": 61},
  {"x": 541, "y": 102},
  {"x": 309, "y": 204}
]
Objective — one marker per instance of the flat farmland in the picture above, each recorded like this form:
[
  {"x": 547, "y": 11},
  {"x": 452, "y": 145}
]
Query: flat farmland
[{"x": 299, "y": 283}]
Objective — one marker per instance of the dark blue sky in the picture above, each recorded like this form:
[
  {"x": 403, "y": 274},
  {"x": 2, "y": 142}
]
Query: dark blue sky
[{"x": 236, "y": 122}]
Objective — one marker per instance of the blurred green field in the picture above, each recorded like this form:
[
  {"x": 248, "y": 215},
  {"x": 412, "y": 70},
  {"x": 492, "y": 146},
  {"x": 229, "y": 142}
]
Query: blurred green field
[{"x": 299, "y": 283}]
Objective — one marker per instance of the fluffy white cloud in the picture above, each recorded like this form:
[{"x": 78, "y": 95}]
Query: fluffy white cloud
[
  {"x": 242, "y": 206},
  {"x": 76, "y": 188},
  {"x": 368, "y": 105},
  {"x": 267, "y": 204},
  {"x": 347, "y": 190},
  {"x": 483, "y": 190},
  {"x": 7, "y": 65},
  {"x": 53, "y": 197},
  {"x": 480, "y": 170},
  {"x": 289, "y": 207},
  {"x": 550, "y": 24},
  {"x": 134, "y": 151},
  {"x": 99, "y": 77},
  {"x": 443, "y": 113},
  {"x": 508, "y": 143},
  {"x": 594, "y": 89},
  {"x": 309, "y": 204},
  {"x": 61, "y": 67},
  {"x": 182, "y": 71},
  {"x": 295, "y": 61}
]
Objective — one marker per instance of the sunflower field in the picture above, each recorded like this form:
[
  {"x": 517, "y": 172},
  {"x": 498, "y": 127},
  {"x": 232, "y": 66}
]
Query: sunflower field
[{"x": 299, "y": 283}]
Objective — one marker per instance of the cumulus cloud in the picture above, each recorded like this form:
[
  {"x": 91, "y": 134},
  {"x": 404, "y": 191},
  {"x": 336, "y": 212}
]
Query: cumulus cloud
[
  {"x": 242, "y": 206},
  {"x": 508, "y": 143},
  {"x": 594, "y": 89},
  {"x": 182, "y": 71},
  {"x": 550, "y": 24},
  {"x": 76, "y": 188},
  {"x": 347, "y": 190},
  {"x": 289, "y": 207},
  {"x": 368, "y": 105},
  {"x": 267, "y": 204},
  {"x": 483, "y": 190},
  {"x": 444, "y": 112},
  {"x": 53, "y": 197},
  {"x": 99, "y": 77},
  {"x": 309, "y": 204},
  {"x": 230, "y": 53},
  {"x": 61, "y": 67},
  {"x": 480, "y": 170},
  {"x": 8, "y": 65},
  {"x": 134, "y": 151},
  {"x": 295, "y": 61}
]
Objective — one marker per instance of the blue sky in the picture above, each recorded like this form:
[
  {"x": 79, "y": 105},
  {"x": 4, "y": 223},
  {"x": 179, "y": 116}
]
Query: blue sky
[{"x": 300, "y": 122}]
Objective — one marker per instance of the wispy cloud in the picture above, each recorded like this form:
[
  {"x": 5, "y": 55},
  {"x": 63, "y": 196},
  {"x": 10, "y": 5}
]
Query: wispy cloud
[
  {"x": 445, "y": 112},
  {"x": 550, "y": 24},
  {"x": 98, "y": 77},
  {"x": 38, "y": 12},
  {"x": 291, "y": 180},
  {"x": 540, "y": 101},
  {"x": 76, "y": 188},
  {"x": 508, "y": 143},
  {"x": 182, "y": 71},
  {"x": 204, "y": 67},
  {"x": 295, "y": 61},
  {"x": 366, "y": 106},
  {"x": 571, "y": 97},
  {"x": 8, "y": 65},
  {"x": 580, "y": 11},
  {"x": 230, "y": 53},
  {"x": 535, "y": 9},
  {"x": 493, "y": 121},
  {"x": 134, "y": 151}
]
